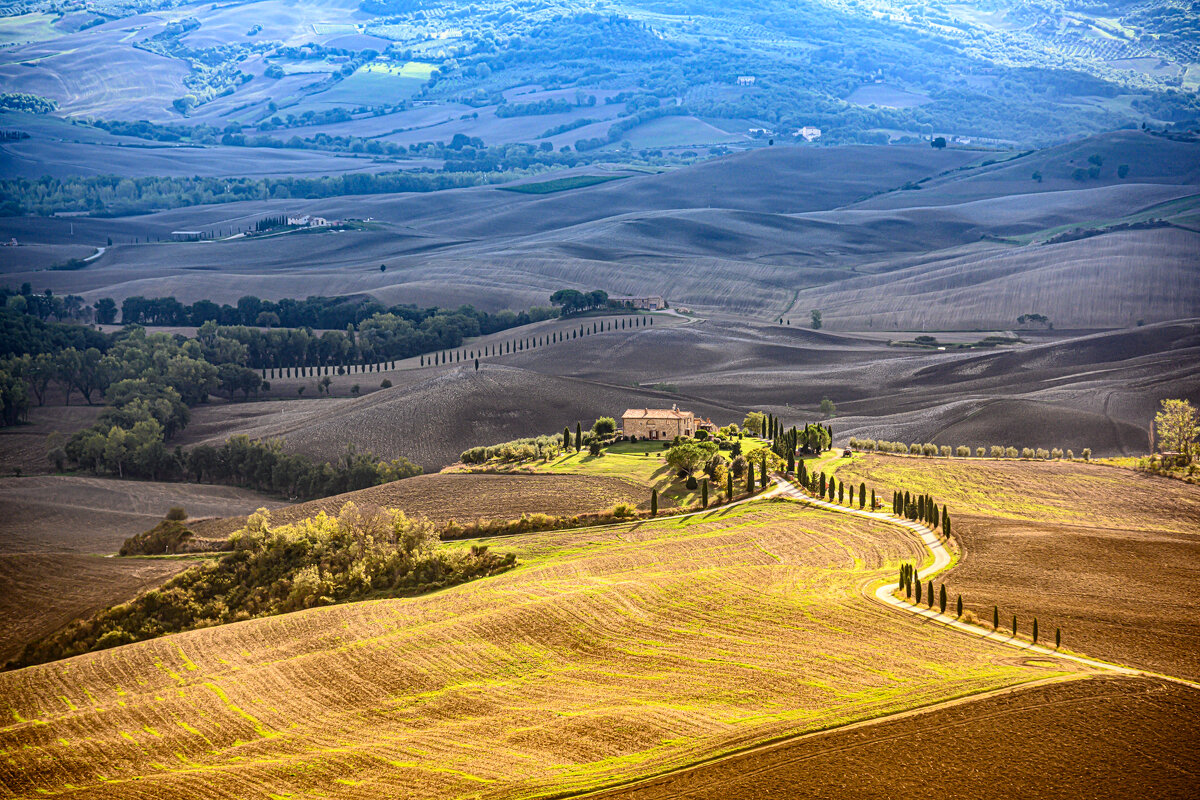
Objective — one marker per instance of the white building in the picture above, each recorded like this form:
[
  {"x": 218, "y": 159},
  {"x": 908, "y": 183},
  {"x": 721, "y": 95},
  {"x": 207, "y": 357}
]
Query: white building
[
  {"x": 745, "y": 80},
  {"x": 308, "y": 222},
  {"x": 809, "y": 133}
]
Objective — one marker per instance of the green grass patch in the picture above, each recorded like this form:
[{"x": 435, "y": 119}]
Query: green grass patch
[{"x": 561, "y": 184}]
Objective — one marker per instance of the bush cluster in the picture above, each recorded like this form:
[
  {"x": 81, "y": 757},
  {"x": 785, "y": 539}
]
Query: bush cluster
[{"x": 275, "y": 569}]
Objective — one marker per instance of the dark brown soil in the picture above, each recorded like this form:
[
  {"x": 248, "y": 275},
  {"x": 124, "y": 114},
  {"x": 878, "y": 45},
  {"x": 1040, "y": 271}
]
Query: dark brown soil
[
  {"x": 41, "y": 592},
  {"x": 1119, "y": 595},
  {"x": 1103, "y": 737}
]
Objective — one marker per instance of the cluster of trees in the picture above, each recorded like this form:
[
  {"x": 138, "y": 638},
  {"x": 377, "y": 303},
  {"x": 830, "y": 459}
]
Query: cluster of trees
[
  {"x": 921, "y": 508},
  {"x": 929, "y": 450},
  {"x": 48, "y": 305},
  {"x": 573, "y": 301},
  {"x": 114, "y": 196},
  {"x": 535, "y": 448},
  {"x": 29, "y": 103},
  {"x": 275, "y": 569},
  {"x": 537, "y": 108}
]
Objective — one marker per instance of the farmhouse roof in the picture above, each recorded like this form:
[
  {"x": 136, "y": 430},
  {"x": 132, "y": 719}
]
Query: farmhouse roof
[{"x": 656, "y": 413}]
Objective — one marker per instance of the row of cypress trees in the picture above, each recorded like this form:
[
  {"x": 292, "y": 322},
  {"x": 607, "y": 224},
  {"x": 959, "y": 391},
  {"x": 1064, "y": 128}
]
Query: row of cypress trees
[
  {"x": 922, "y": 508},
  {"x": 912, "y": 585},
  {"x": 531, "y": 342}
]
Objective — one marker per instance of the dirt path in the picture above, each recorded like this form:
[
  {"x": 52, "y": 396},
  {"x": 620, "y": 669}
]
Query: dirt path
[{"x": 942, "y": 558}]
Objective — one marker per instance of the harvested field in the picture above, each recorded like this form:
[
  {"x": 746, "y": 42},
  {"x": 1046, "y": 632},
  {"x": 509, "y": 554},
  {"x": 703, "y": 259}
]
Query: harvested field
[
  {"x": 466, "y": 498},
  {"x": 58, "y": 513},
  {"x": 41, "y": 592},
  {"x": 1103, "y": 737},
  {"x": 1109, "y": 556},
  {"x": 605, "y": 656}
]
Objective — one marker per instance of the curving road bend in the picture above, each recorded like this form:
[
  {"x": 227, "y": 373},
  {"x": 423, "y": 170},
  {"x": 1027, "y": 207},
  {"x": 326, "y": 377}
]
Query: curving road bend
[{"x": 886, "y": 593}]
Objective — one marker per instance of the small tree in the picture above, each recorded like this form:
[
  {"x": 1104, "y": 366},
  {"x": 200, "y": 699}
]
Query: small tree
[
  {"x": 704, "y": 493},
  {"x": 566, "y": 437},
  {"x": 1057, "y": 638},
  {"x": 995, "y": 618},
  {"x": 841, "y": 492},
  {"x": 931, "y": 592},
  {"x": 762, "y": 473},
  {"x": 729, "y": 486},
  {"x": 1035, "y": 631},
  {"x": 1086, "y": 453},
  {"x": 578, "y": 437},
  {"x": 862, "y": 495},
  {"x": 604, "y": 426},
  {"x": 918, "y": 598},
  {"x": 1176, "y": 426},
  {"x": 942, "y": 598},
  {"x": 654, "y": 502},
  {"x": 1014, "y": 633},
  {"x": 960, "y": 605},
  {"x": 874, "y": 501},
  {"x": 816, "y": 319},
  {"x": 750, "y": 477}
]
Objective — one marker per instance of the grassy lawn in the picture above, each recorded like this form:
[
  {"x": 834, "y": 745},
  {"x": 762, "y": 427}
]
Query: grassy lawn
[{"x": 644, "y": 462}]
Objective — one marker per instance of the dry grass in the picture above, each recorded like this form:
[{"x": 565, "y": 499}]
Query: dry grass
[{"x": 605, "y": 656}]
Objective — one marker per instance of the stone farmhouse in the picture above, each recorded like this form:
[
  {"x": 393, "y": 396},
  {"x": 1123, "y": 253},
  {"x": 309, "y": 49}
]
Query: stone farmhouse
[
  {"x": 653, "y": 302},
  {"x": 662, "y": 423}
]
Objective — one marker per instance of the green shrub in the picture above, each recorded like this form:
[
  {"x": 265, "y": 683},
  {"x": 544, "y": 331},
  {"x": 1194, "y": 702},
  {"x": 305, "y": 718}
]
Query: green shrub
[{"x": 176, "y": 513}]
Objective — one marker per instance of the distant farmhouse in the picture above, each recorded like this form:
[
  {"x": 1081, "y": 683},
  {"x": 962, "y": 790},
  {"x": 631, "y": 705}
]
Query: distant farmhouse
[
  {"x": 809, "y": 133},
  {"x": 187, "y": 236},
  {"x": 662, "y": 423},
  {"x": 309, "y": 222},
  {"x": 745, "y": 80},
  {"x": 653, "y": 302}
]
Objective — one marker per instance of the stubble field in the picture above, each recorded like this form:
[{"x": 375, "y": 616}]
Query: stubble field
[{"x": 607, "y": 655}]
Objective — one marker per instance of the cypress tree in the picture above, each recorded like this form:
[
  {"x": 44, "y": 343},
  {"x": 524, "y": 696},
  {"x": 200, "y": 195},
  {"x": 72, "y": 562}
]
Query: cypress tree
[
  {"x": 921, "y": 509},
  {"x": 422, "y": 361},
  {"x": 995, "y": 618},
  {"x": 477, "y": 365},
  {"x": 903, "y": 573},
  {"x": 791, "y": 461},
  {"x": 704, "y": 494},
  {"x": 946, "y": 525},
  {"x": 729, "y": 486},
  {"x": 822, "y": 481},
  {"x": 942, "y": 598},
  {"x": 750, "y": 477},
  {"x": 566, "y": 438},
  {"x": 842, "y": 492},
  {"x": 918, "y": 600},
  {"x": 931, "y": 592},
  {"x": 1035, "y": 630},
  {"x": 873, "y": 501},
  {"x": 762, "y": 473},
  {"x": 960, "y": 605},
  {"x": 1014, "y": 625},
  {"x": 578, "y": 437},
  {"x": 1057, "y": 638},
  {"x": 654, "y": 502},
  {"x": 945, "y": 517},
  {"x": 862, "y": 495}
]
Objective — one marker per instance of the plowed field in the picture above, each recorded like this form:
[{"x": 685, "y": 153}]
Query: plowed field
[
  {"x": 1109, "y": 556},
  {"x": 465, "y": 498},
  {"x": 607, "y": 655},
  {"x": 1105, "y": 737}
]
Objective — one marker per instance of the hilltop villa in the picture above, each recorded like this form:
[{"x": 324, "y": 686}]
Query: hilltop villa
[{"x": 662, "y": 423}]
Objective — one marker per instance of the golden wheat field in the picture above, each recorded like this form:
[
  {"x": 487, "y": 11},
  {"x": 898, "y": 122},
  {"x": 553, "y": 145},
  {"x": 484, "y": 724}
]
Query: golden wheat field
[{"x": 606, "y": 655}]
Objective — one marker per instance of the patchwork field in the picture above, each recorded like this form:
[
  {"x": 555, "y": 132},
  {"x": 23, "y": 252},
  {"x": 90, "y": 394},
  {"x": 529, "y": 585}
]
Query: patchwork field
[
  {"x": 1103, "y": 737},
  {"x": 1109, "y": 556},
  {"x": 607, "y": 655}
]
